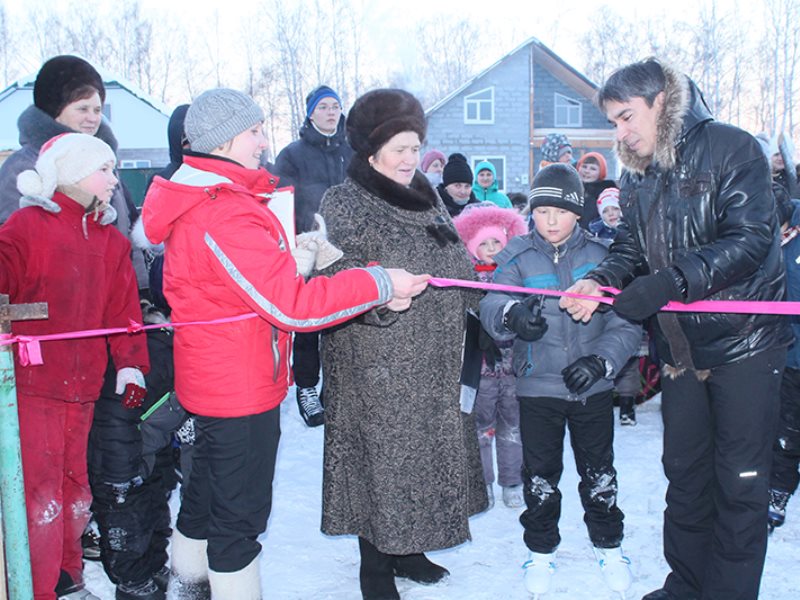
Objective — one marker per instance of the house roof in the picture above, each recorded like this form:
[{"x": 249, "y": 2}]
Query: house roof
[
  {"x": 549, "y": 59},
  {"x": 109, "y": 80}
]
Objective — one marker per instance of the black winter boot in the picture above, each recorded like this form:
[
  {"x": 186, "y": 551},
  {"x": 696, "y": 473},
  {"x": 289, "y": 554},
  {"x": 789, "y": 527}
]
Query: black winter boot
[
  {"x": 376, "y": 573},
  {"x": 417, "y": 567},
  {"x": 146, "y": 590}
]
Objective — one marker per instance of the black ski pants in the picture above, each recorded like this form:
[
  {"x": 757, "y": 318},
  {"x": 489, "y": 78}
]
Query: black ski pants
[
  {"x": 591, "y": 432},
  {"x": 718, "y": 435},
  {"x": 229, "y": 496},
  {"x": 305, "y": 359}
]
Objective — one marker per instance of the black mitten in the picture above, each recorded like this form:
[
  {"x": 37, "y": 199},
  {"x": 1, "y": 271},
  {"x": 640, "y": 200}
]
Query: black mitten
[{"x": 646, "y": 295}]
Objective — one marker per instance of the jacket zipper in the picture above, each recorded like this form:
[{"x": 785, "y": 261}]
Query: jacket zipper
[{"x": 276, "y": 355}]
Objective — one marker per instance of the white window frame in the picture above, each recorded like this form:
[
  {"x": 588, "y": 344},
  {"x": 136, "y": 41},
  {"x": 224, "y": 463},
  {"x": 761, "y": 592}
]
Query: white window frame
[
  {"x": 559, "y": 101},
  {"x": 469, "y": 100},
  {"x": 498, "y": 174},
  {"x": 136, "y": 163}
]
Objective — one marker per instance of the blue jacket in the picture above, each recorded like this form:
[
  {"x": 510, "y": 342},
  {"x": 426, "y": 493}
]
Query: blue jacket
[{"x": 531, "y": 261}]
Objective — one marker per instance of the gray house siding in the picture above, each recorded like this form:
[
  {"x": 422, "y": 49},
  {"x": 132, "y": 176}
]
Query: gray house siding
[{"x": 509, "y": 136}]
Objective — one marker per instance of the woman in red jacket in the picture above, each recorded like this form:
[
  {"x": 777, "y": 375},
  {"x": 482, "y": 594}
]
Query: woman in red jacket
[{"x": 226, "y": 255}]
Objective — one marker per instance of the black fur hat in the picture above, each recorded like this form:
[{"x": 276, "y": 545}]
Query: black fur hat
[
  {"x": 557, "y": 184},
  {"x": 379, "y": 115},
  {"x": 59, "y": 77}
]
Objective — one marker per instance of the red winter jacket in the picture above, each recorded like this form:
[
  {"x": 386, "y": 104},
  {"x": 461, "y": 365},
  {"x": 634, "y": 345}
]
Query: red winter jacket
[
  {"x": 87, "y": 282},
  {"x": 226, "y": 255}
]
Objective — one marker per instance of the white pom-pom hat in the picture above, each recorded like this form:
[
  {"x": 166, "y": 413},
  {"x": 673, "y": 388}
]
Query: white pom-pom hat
[{"x": 64, "y": 160}]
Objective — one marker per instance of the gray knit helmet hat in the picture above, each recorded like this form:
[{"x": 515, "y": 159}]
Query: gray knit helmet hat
[{"x": 219, "y": 115}]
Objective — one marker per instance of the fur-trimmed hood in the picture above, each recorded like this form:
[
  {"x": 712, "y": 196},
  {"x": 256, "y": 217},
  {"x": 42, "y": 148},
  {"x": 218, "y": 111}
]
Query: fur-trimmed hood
[{"x": 684, "y": 109}]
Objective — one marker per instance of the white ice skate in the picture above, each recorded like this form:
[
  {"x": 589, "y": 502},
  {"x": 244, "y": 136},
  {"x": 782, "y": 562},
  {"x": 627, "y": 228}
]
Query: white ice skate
[
  {"x": 539, "y": 569},
  {"x": 616, "y": 568}
]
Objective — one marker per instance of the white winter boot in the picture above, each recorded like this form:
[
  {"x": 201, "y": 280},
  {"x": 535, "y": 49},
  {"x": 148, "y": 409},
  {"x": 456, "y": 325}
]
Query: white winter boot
[
  {"x": 616, "y": 568},
  {"x": 189, "y": 569},
  {"x": 513, "y": 496},
  {"x": 539, "y": 569},
  {"x": 244, "y": 584}
]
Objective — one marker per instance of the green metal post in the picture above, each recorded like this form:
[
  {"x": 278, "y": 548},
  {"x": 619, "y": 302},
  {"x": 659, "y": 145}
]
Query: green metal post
[
  {"x": 12, "y": 487},
  {"x": 12, "y": 490}
]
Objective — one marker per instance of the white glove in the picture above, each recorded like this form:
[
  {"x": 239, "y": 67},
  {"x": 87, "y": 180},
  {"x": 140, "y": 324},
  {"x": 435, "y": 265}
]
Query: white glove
[
  {"x": 128, "y": 375},
  {"x": 305, "y": 257},
  {"x": 317, "y": 240}
]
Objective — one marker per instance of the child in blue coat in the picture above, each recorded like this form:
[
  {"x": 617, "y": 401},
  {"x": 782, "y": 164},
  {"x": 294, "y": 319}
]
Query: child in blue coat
[{"x": 564, "y": 372}]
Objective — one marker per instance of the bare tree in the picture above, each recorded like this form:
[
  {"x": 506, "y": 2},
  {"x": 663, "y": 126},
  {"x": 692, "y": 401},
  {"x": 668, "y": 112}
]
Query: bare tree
[{"x": 448, "y": 51}]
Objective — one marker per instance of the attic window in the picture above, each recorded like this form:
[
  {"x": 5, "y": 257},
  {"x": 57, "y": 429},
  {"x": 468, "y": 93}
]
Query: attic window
[
  {"x": 569, "y": 112},
  {"x": 479, "y": 107}
]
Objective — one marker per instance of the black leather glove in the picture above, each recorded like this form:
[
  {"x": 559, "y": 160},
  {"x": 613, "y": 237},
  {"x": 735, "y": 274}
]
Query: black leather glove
[
  {"x": 526, "y": 320},
  {"x": 491, "y": 353},
  {"x": 583, "y": 373},
  {"x": 646, "y": 295}
]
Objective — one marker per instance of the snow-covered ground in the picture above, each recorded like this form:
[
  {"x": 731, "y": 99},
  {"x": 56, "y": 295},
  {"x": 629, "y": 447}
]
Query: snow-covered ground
[{"x": 300, "y": 563}]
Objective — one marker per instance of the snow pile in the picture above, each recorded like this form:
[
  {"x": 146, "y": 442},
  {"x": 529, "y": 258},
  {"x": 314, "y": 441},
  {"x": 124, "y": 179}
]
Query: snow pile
[{"x": 300, "y": 563}]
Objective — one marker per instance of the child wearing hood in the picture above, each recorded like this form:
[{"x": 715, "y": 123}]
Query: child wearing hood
[
  {"x": 58, "y": 248},
  {"x": 593, "y": 170},
  {"x": 605, "y": 226},
  {"x": 485, "y": 230},
  {"x": 485, "y": 185}
]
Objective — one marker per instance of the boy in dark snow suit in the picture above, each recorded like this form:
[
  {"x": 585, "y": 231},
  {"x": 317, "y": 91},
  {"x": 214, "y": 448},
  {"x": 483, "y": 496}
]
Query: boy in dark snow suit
[
  {"x": 564, "y": 376},
  {"x": 131, "y": 474}
]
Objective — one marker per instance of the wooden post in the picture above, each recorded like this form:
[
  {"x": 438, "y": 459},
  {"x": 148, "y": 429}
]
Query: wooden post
[{"x": 12, "y": 489}]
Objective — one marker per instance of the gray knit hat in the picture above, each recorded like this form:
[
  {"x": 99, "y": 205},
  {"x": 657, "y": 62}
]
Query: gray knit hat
[{"x": 219, "y": 115}]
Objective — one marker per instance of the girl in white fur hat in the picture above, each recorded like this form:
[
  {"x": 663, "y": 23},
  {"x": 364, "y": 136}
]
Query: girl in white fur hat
[{"x": 58, "y": 249}]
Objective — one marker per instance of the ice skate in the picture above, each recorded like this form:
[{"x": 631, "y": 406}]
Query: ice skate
[
  {"x": 539, "y": 569},
  {"x": 778, "y": 500},
  {"x": 616, "y": 569},
  {"x": 310, "y": 406},
  {"x": 627, "y": 412}
]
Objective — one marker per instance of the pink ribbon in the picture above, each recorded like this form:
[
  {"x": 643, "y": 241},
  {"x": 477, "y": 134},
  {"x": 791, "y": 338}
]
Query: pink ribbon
[
  {"x": 29, "y": 350},
  {"x": 746, "y": 307}
]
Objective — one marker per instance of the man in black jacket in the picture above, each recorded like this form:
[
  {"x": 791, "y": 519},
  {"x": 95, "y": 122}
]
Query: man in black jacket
[
  {"x": 700, "y": 223},
  {"x": 312, "y": 164}
]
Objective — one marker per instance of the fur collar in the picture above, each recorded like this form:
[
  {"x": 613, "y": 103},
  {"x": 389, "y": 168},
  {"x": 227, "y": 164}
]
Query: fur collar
[
  {"x": 419, "y": 196},
  {"x": 670, "y": 126},
  {"x": 36, "y": 127},
  {"x": 107, "y": 217}
]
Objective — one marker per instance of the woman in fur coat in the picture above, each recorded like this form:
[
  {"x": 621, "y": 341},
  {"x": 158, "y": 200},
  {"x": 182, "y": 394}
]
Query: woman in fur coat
[{"x": 402, "y": 468}]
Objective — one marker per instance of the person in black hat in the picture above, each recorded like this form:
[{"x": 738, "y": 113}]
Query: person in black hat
[
  {"x": 68, "y": 96},
  {"x": 312, "y": 164},
  {"x": 565, "y": 373},
  {"x": 456, "y": 187},
  {"x": 402, "y": 467}
]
